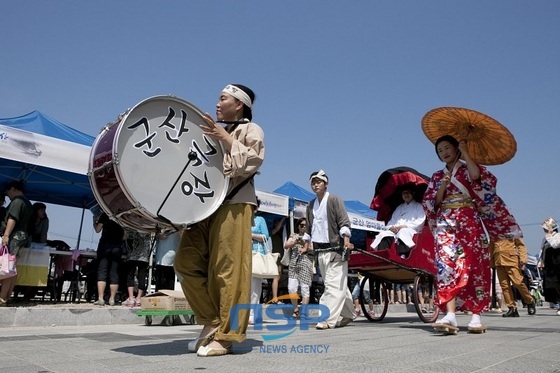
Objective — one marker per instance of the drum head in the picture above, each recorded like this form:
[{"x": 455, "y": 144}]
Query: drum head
[{"x": 166, "y": 165}]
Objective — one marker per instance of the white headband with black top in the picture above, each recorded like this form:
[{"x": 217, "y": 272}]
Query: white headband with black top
[
  {"x": 321, "y": 175},
  {"x": 239, "y": 94}
]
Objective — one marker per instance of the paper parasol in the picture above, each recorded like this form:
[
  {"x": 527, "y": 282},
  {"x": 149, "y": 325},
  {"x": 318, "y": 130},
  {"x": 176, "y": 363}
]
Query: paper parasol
[{"x": 488, "y": 141}]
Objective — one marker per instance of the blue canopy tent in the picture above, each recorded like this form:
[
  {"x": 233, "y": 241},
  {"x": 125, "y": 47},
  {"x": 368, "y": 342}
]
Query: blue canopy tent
[
  {"x": 50, "y": 157},
  {"x": 294, "y": 192},
  {"x": 362, "y": 218},
  {"x": 298, "y": 198}
]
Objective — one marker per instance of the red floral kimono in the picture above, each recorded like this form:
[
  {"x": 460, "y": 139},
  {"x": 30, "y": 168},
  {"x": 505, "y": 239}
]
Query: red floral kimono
[{"x": 461, "y": 245}]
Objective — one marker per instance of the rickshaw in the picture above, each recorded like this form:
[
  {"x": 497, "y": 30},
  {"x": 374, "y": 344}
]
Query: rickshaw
[{"x": 382, "y": 268}]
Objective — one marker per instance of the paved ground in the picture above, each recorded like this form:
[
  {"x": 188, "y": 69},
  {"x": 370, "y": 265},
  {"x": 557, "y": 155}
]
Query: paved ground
[{"x": 401, "y": 343}]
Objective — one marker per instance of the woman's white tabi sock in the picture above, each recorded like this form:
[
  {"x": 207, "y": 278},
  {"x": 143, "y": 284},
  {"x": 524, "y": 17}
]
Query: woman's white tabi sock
[
  {"x": 475, "y": 321},
  {"x": 449, "y": 319}
]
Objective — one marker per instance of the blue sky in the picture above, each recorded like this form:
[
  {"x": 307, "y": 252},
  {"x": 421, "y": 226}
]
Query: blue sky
[{"x": 340, "y": 86}]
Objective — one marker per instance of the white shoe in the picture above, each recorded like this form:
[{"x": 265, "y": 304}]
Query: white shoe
[
  {"x": 344, "y": 321},
  {"x": 195, "y": 344},
  {"x": 130, "y": 302},
  {"x": 322, "y": 326},
  {"x": 214, "y": 351}
]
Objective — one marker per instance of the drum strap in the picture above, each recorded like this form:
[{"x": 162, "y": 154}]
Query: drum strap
[
  {"x": 236, "y": 189},
  {"x": 234, "y": 122},
  {"x": 235, "y": 125}
]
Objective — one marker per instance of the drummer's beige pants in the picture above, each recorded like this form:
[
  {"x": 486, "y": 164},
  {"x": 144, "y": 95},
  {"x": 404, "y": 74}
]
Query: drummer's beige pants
[{"x": 214, "y": 261}]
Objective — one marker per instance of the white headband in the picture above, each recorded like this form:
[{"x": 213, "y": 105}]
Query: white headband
[
  {"x": 239, "y": 94},
  {"x": 321, "y": 175}
]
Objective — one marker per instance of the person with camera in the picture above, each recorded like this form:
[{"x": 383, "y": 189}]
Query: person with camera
[{"x": 300, "y": 270}]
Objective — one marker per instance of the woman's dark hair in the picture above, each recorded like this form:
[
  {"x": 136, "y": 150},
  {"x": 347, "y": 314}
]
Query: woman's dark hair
[
  {"x": 39, "y": 206},
  {"x": 34, "y": 214},
  {"x": 450, "y": 139},
  {"x": 247, "y": 111},
  {"x": 16, "y": 184},
  {"x": 299, "y": 221}
]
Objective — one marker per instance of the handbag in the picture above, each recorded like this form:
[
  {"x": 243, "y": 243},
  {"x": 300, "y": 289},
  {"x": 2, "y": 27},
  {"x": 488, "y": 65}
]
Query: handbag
[
  {"x": 264, "y": 265},
  {"x": 7, "y": 263}
]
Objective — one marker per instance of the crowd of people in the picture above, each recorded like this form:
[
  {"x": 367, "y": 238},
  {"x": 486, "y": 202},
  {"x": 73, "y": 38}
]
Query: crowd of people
[
  {"x": 472, "y": 227},
  {"x": 122, "y": 257}
]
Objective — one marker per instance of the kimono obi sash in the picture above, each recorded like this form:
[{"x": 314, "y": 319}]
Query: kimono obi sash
[{"x": 455, "y": 201}]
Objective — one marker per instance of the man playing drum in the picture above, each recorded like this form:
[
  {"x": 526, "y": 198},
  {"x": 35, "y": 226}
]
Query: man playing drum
[{"x": 214, "y": 255}]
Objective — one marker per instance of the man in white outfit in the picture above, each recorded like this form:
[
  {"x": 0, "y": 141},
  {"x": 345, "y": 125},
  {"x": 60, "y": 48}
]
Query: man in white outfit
[
  {"x": 329, "y": 227},
  {"x": 406, "y": 221}
]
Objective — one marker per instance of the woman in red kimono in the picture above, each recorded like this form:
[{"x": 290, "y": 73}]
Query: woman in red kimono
[{"x": 458, "y": 200}]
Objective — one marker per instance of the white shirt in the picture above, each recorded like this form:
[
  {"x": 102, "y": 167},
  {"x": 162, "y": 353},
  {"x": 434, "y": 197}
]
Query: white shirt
[
  {"x": 320, "y": 228},
  {"x": 411, "y": 215}
]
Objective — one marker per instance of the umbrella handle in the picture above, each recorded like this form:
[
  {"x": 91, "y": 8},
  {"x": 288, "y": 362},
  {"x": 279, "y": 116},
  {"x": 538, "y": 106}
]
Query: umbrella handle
[{"x": 465, "y": 137}]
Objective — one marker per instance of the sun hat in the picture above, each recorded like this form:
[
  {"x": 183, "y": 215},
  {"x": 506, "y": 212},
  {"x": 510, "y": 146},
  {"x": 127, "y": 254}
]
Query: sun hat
[{"x": 549, "y": 224}]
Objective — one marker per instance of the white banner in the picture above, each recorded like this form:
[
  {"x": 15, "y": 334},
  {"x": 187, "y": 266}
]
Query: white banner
[
  {"x": 41, "y": 150},
  {"x": 365, "y": 224},
  {"x": 356, "y": 221},
  {"x": 273, "y": 203}
]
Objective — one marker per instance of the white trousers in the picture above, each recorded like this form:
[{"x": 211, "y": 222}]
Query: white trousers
[
  {"x": 337, "y": 296},
  {"x": 406, "y": 235},
  {"x": 256, "y": 290},
  {"x": 293, "y": 284}
]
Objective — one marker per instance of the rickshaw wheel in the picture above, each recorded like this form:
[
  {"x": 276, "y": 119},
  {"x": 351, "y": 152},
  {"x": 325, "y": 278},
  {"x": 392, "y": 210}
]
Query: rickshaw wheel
[
  {"x": 425, "y": 286},
  {"x": 379, "y": 295}
]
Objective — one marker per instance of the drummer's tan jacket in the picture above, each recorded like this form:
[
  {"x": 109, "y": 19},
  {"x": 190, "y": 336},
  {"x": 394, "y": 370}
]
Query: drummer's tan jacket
[{"x": 243, "y": 161}]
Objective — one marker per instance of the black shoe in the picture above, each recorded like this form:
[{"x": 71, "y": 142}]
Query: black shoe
[
  {"x": 512, "y": 312},
  {"x": 531, "y": 310}
]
